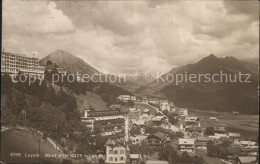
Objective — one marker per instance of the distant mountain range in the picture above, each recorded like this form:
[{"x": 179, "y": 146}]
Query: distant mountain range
[
  {"x": 241, "y": 97},
  {"x": 225, "y": 96},
  {"x": 74, "y": 64}
]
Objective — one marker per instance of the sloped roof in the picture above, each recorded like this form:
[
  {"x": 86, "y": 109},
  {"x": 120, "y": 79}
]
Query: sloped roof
[
  {"x": 201, "y": 143},
  {"x": 248, "y": 160},
  {"x": 156, "y": 162},
  {"x": 159, "y": 134},
  {"x": 115, "y": 142},
  {"x": 134, "y": 156},
  {"x": 186, "y": 141}
]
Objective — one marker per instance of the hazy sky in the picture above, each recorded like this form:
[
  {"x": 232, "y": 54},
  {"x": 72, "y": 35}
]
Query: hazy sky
[{"x": 121, "y": 37}]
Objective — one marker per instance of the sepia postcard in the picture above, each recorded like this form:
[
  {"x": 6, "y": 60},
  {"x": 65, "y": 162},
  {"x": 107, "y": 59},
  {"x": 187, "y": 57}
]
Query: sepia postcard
[{"x": 129, "y": 82}]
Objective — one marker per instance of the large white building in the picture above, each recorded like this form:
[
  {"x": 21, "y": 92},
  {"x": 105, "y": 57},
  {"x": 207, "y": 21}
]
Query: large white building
[
  {"x": 186, "y": 144},
  {"x": 116, "y": 151},
  {"x": 12, "y": 63}
]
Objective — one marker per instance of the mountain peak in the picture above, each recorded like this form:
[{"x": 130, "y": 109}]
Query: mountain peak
[
  {"x": 212, "y": 56},
  {"x": 69, "y": 62}
]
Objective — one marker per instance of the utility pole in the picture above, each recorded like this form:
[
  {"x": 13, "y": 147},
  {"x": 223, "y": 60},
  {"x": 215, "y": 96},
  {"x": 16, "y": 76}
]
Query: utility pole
[
  {"x": 39, "y": 147},
  {"x": 56, "y": 134}
]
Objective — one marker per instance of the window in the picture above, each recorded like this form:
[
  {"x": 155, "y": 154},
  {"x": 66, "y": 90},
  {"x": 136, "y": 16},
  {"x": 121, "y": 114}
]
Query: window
[
  {"x": 116, "y": 152},
  {"x": 121, "y": 151},
  {"x": 115, "y": 159},
  {"x": 110, "y": 158},
  {"x": 122, "y": 158},
  {"x": 110, "y": 151}
]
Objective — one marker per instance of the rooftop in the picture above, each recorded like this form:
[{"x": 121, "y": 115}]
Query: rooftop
[
  {"x": 159, "y": 134},
  {"x": 248, "y": 160},
  {"x": 186, "y": 141},
  {"x": 156, "y": 162}
]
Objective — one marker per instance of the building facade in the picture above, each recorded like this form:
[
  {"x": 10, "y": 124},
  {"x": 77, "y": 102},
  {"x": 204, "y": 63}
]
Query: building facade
[
  {"x": 116, "y": 152},
  {"x": 12, "y": 63},
  {"x": 109, "y": 122}
]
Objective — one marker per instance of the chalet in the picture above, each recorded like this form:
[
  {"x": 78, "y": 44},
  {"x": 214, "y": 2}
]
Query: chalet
[
  {"x": 144, "y": 100},
  {"x": 115, "y": 107},
  {"x": 220, "y": 130},
  {"x": 248, "y": 143},
  {"x": 165, "y": 106},
  {"x": 221, "y": 135},
  {"x": 133, "y": 113},
  {"x": 186, "y": 144},
  {"x": 235, "y": 137},
  {"x": 133, "y": 98},
  {"x": 158, "y": 120},
  {"x": 233, "y": 152},
  {"x": 248, "y": 151},
  {"x": 213, "y": 118},
  {"x": 135, "y": 158},
  {"x": 201, "y": 142},
  {"x": 247, "y": 160},
  {"x": 124, "y": 98},
  {"x": 116, "y": 151},
  {"x": 201, "y": 145},
  {"x": 146, "y": 112},
  {"x": 195, "y": 129},
  {"x": 204, "y": 139},
  {"x": 192, "y": 121},
  {"x": 183, "y": 112},
  {"x": 158, "y": 139},
  {"x": 153, "y": 101},
  {"x": 136, "y": 139},
  {"x": 139, "y": 123}
]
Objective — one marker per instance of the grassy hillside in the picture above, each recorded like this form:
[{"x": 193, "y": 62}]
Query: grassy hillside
[
  {"x": 23, "y": 141},
  {"x": 92, "y": 99}
]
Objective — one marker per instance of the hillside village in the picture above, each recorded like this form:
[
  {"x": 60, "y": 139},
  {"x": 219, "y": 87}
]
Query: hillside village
[{"x": 142, "y": 129}]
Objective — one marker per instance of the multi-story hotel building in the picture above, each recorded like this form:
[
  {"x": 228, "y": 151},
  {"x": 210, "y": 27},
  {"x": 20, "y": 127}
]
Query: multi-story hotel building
[
  {"x": 109, "y": 122},
  {"x": 12, "y": 63}
]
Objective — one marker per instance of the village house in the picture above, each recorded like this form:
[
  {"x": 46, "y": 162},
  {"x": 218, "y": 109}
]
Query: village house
[
  {"x": 195, "y": 132},
  {"x": 139, "y": 123},
  {"x": 183, "y": 112},
  {"x": 201, "y": 145},
  {"x": 124, "y": 98},
  {"x": 201, "y": 142},
  {"x": 133, "y": 113},
  {"x": 135, "y": 158},
  {"x": 192, "y": 121},
  {"x": 233, "y": 152},
  {"x": 158, "y": 139},
  {"x": 116, "y": 151},
  {"x": 248, "y": 143},
  {"x": 220, "y": 131},
  {"x": 248, "y": 151},
  {"x": 159, "y": 120},
  {"x": 144, "y": 100},
  {"x": 153, "y": 101},
  {"x": 235, "y": 137},
  {"x": 213, "y": 118},
  {"x": 164, "y": 106},
  {"x": 136, "y": 139},
  {"x": 146, "y": 112},
  {"x": 186, "y": 144},
  {"x": 133, "y": 98},
  {"x": 247, "y": 160}
]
